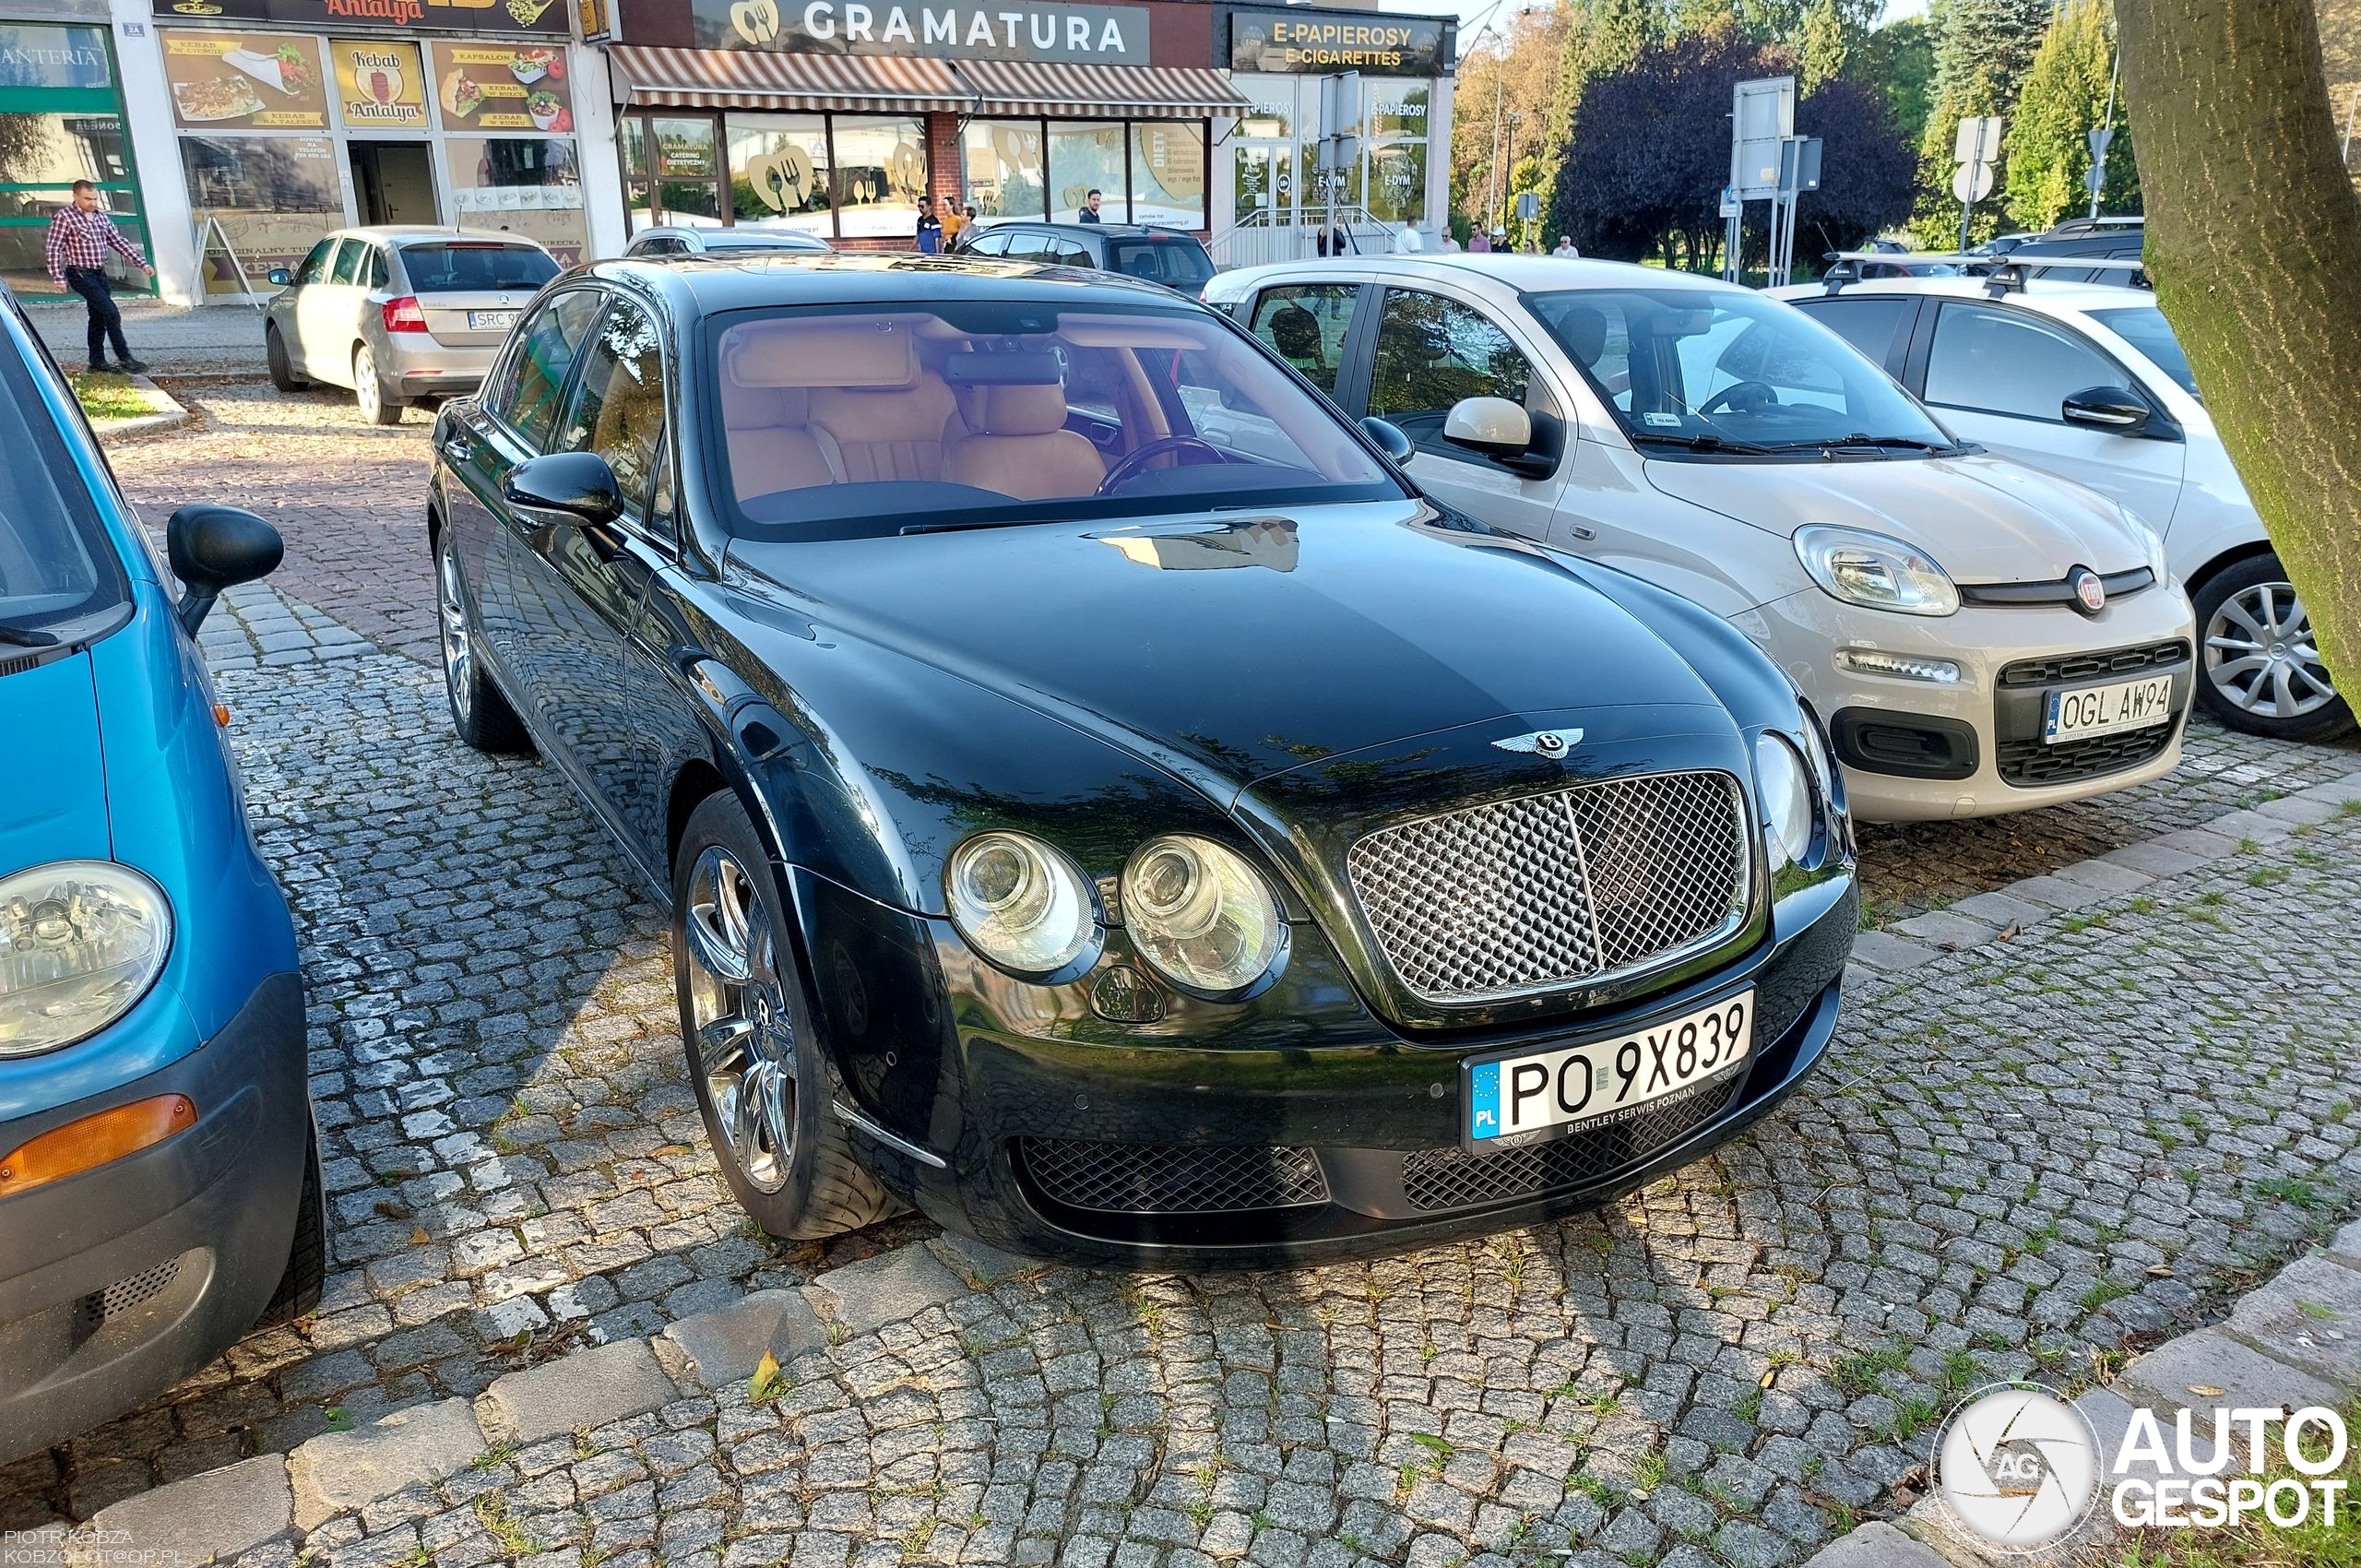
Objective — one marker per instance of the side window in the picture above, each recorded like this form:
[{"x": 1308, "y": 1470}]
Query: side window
[
  {"x": 992, "y": 244},
  {"x": 1307, "y": 323},
  {"x": 523, "y": 393},
  {"x": 1878, "y": 327},
  {"x": 1431, "y": 352},
  {"x": 618, "y": 409},
  {"x": 349, "y": 261},
  {"x": 315, "y": 266},
  {"x": 663, "y": 510},
  {"x": 374, "y": 273},
  {"x": 1999, "y": 362},
  {"x": 1071, "y": 252}
]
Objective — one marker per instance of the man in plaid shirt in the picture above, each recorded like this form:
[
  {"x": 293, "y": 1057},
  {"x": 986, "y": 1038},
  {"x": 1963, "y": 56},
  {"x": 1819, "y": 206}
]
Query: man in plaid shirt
[{"x": 80, "y": 237}]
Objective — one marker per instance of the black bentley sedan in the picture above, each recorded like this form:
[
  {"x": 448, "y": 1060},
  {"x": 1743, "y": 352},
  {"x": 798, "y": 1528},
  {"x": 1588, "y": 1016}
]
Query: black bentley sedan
[{"x": 1101, "y": 803}]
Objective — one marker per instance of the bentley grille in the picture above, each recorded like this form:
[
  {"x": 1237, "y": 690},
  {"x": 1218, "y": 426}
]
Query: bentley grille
[{"x": 1550, "y": 891}]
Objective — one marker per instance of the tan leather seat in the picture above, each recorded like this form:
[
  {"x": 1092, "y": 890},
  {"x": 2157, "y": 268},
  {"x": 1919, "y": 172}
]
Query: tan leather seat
[
  {"x": 885, "y": 433},
  {"x": 1021, "y": 446},
  {"x": 771, "y": 447}
]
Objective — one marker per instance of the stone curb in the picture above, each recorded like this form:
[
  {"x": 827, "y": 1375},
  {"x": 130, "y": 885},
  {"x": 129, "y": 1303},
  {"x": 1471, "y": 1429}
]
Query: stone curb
[
  {"x": 1993, "y": 917},
  {"x": 171, "y": 416}
]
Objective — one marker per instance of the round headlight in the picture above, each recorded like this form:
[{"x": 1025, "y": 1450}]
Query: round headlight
[
  {"x": 1020, "y": 904},
  {"x": 1786, "y": 800},
  {"x": 80, "y": 941},
  {"x": 1201, "y": 915}
]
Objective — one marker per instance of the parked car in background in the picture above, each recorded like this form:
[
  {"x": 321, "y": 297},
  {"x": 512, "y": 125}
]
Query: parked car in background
[
  {"x": 683, "y": 240},
  {"x": 2051, "y": 255},
  {"x": 1122, "y": 832},
  {"x": 1981, "y": 636},
  {"x": 2087, "y": 381},
  {"x": 159, "y": 1187},
  {"x": 399, "y": 314},
  {"x": 1159, "y": 256}
]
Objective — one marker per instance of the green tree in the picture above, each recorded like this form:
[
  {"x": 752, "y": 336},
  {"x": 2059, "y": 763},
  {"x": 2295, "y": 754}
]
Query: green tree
[
  {"x": 1823, "y": 47},
  {"x": 1897, "y": 62},
  {"x": 2252, "y": 228},
  {"x": 2064, "y": 95},
  {"x": 1984, "y": 49}
]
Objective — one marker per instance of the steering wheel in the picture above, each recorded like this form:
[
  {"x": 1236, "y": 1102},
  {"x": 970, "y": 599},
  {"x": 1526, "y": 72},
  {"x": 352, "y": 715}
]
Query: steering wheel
[
  {"x": 1132, "y": 462},
  {"x": 1742, "y": 397}
]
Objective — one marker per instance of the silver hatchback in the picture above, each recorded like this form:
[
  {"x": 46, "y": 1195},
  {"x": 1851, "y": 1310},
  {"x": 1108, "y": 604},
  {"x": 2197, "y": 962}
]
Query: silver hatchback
[{"x": 398, "y": 314}]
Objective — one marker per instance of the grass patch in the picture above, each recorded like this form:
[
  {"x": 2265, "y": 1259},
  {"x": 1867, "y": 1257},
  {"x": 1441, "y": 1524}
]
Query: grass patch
[
  {"x": 1866, "y": 1373},
  {"x": 2288, "y": 1189},
  {"x": 106, "y": 396}
]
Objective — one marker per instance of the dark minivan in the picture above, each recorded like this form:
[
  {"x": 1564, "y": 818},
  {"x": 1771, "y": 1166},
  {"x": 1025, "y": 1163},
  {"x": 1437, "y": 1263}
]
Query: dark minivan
[{"x": 1159, "y": 256}]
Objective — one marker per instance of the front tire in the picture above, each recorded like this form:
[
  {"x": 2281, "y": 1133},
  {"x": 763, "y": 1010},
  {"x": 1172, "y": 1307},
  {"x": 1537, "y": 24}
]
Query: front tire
[
  {"x": 2258, "y": 667},
  {"x": 754, "y": 1064},
  {"x": 307, "y": 1255},
  {"x": 282, "y": 367},
  {"x": 376, "y": 405},
  {"x": 481, "y": 713}
]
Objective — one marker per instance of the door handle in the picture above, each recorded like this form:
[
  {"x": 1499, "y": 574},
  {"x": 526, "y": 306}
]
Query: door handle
[{"x": 458, "y": 445}]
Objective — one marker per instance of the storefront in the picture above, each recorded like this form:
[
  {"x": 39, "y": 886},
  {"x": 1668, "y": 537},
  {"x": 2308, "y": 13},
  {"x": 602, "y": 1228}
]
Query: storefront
[
  {"x": 835, "y": 117},
  {"x": 292, "y": 117},
  {"x": 61, "y": 120}
]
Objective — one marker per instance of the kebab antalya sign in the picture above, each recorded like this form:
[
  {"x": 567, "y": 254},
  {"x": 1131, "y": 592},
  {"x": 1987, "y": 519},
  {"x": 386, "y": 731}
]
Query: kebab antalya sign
[{"x": 1110, "y": 34}]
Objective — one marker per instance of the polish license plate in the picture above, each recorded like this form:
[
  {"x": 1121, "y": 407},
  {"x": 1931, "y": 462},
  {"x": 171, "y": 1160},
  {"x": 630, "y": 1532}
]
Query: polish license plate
[
  {"x": 2108, "y": 710},
  {"x": 491, "y": 320},
  {"x": 1546, "y": 1094}
]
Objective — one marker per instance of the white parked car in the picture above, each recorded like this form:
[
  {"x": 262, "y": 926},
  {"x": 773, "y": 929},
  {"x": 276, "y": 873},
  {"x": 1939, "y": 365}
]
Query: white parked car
[
  {"x": 2087, "y": 380},
  {"x": 1978, "y": 637}
]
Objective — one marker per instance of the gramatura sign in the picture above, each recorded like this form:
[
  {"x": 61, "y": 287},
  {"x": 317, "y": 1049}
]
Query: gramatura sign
[
  {"x": 1034, "y": 29},
  {"x": 1316, "y": 41}
]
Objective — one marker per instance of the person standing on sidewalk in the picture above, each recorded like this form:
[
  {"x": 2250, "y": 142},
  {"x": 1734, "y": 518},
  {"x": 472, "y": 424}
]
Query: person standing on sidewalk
[{"x": 80, "y": 237}]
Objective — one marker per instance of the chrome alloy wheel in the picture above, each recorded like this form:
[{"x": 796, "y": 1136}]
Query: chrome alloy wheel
[
  {"x": 459, "y": 639},
  {"x": 2259, "y": 653},
  {"x": 745, "y": 1038}
]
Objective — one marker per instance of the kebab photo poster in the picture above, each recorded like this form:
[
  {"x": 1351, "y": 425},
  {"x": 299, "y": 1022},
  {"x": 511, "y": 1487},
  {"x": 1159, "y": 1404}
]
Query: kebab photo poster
[
  {"x": 498, "y": 86},
  {"x": 265, "y": 80}
]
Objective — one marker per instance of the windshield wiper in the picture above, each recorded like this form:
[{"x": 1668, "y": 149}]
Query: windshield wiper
[
  {"x": 1858, "y": 441},
  {"x": 25, "y": 637},
  {"x": 968, "y": 526},
  {"x": 1705, "y": 441}
]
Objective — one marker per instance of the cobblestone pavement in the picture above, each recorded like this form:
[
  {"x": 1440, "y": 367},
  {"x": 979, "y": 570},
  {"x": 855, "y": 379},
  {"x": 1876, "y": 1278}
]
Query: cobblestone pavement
[{"x": 2022, "y": 1158}]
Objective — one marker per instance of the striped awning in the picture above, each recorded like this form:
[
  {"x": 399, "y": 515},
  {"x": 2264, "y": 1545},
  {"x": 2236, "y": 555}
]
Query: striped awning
[
  {"x": 1138, "y": 92},
  {"x": 748, "y": 78}
]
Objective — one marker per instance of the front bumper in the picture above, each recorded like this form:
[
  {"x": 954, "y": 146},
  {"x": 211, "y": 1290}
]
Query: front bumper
[
  {"x": 1342, "y": 1148},
  {"x": 119, "y": 1281},
  {"x": 1993, "y": 725}
]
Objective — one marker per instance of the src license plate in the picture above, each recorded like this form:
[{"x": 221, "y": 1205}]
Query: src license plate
[
  {"x": 1544, "y": 1094},
  {"x": 491, "y": 320},
  {"x": 2108, "y": 711}
]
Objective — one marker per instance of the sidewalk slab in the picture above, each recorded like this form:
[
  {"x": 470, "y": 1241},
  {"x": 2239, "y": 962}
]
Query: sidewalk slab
[
  {"x": 892, "y": 1288},
  {"x": 588, "y": 1388},
  {"x": 1946, "y": 929},
  {"x": 1875, "y": 1545},
  {"x": 216, "y": 1516},
  {"x": 1878, "y": 950},
  {"x": 2167, "y": 1379},
  {"x": 726, "y": 1345},
  {"x": 2309, "y": 1316},
  {"x": 337, "y": 1472},
  {"x": 1999, "y": 909},
  {"x": 2056, "y": 892}
]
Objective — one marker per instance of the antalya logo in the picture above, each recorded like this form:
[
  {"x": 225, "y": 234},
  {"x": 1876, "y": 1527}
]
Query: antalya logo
[{"x": 2017, "y": 1467}]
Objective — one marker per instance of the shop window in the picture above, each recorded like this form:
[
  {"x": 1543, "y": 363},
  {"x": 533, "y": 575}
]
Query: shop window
[
  {"x": 1005, "y": 177},
  {"x": 527, "y": 185},
  {"x": 688, "y": 184},
  {"x": 778, "y": 172},
  {"x": 1083, "y": 158},
  {"x": 631, "y": 136},
  {"x": 273, "y": 196},
  {"x": 60, "y": 124},
  {"x": 880, "y": 173},
  {"x": 1169, "y": 174}
]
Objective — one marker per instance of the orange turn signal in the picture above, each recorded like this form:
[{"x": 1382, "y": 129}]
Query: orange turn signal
[
  {"x": 93, "y": 1140},
  {"x": 221, "y": 714}
]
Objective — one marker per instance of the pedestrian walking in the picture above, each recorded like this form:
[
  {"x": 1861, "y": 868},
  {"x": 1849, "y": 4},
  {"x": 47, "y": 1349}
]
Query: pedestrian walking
[
  {"x": 1090, "y": 210},
  {"x": 929, "y": 228},
  {"x": 80, "y": 237},
  {"x": 952, "y": 223},
  {"x": 1566, "y": 250},
  {"x": 1479, "y": 243}
]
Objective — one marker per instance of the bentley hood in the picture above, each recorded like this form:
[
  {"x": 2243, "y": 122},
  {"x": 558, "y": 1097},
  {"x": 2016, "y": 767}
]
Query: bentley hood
[
  {"x": 1984, "y": 519},
  {"x": 1232, "y": 647}
]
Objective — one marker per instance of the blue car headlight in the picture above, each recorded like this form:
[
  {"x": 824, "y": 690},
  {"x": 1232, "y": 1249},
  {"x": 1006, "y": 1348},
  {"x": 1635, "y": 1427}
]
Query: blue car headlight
[{"x": 80, "y": 941}]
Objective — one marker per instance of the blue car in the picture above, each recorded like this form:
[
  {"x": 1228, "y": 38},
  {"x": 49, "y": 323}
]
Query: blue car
[{"x": 160, "y": 1185}]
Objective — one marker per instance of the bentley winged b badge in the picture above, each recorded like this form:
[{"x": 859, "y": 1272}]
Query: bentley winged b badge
[{"x": 1551, "y": 743}]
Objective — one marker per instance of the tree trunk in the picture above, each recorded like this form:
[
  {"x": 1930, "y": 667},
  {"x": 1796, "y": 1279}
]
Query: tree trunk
[{"x": 2254, "y": 242}]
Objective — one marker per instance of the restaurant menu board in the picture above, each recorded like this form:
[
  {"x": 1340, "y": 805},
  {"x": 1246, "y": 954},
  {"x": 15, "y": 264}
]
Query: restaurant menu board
[
  {"x": 379, "y": 84},
  {"x": 502, "y": 86},
  {"x": 254, "y": 80}
]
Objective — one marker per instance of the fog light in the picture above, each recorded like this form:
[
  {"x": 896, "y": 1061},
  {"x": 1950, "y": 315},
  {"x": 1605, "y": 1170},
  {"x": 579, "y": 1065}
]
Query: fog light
[{"x": 1901, "y": 666}]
